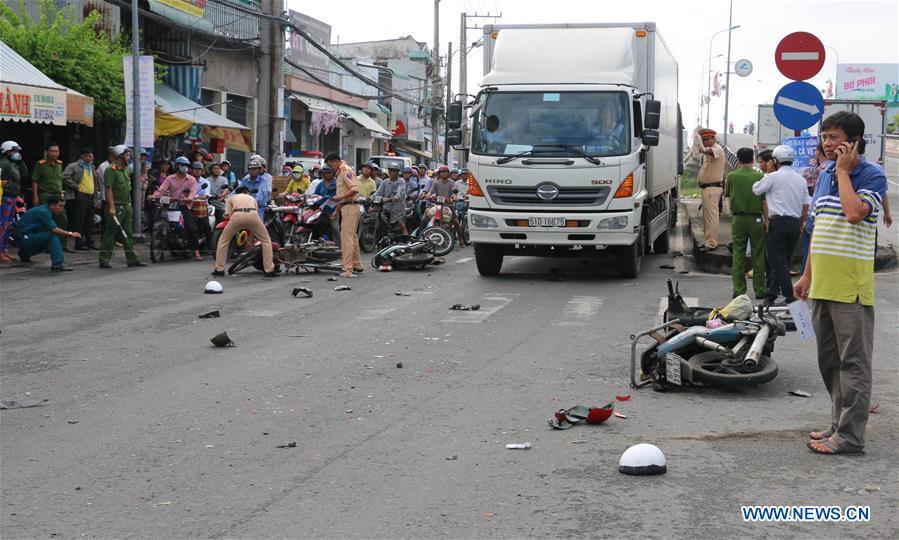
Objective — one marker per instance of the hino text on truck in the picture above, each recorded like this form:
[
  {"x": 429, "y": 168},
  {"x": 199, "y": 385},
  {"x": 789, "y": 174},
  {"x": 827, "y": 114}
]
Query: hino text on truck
[{"x": 574, "y": 145}]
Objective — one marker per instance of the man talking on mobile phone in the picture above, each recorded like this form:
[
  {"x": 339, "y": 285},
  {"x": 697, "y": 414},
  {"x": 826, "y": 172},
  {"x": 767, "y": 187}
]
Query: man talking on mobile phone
[{"x": 839, "y": 277}]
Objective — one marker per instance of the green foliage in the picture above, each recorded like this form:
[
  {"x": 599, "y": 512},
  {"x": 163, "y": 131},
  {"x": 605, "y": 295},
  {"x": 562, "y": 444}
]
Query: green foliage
[
  {"x": 76, "y": 55},
  {"x": 689, "y": 187}
]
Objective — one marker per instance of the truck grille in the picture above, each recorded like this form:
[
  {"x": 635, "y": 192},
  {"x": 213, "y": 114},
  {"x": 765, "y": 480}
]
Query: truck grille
[{"x": 568, "y": 196}]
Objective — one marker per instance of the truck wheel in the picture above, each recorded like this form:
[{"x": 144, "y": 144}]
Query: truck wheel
[
  {"x": 629, "y": 259},
  {"x": 663, "y": 243},
  {"x": 488, "y": 258}
]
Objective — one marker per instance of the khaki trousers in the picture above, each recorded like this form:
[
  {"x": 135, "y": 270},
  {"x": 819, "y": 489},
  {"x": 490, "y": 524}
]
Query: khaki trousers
[
  {"x": 349, "y": 240},
  {"x": 251, "y": 222},
  {"x": 845, "y": 338},
  {"x": 710, "y": 198}
]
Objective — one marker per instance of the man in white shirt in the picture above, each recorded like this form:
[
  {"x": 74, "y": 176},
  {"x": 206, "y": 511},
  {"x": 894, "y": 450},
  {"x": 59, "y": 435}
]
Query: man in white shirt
[{"x": 787, "y": 198}]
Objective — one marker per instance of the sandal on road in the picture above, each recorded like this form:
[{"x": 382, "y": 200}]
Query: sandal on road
[
  {"x": 830, "y": 448},
  {"x": 821, "y": 435}
]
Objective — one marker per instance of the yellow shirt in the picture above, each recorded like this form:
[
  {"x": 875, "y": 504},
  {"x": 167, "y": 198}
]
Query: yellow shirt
[
  {"x": 366, "y": 186},
  {"x": 297, "y": 186},
  {"x": 86, "y": 185}
]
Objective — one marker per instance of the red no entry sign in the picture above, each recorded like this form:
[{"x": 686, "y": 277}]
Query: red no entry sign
[{"x": 799, "y": 56}]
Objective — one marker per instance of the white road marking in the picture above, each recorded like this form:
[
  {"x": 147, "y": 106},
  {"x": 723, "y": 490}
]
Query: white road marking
[
  {"x": 374, "y": 314},
  {"x": 799, "y": 55},
  {"x": 464, "y": 260},
  {"x": 490, "y": 303},
  {"x": 583, "y": 309},
  {"x": 798, "y": 105}
]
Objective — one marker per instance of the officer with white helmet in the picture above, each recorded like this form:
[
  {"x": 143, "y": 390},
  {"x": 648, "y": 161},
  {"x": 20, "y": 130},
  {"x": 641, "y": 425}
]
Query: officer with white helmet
[
  {"x": 259, "y": 182},
  {"x": 14, "y": 174},
  {"x": 788, "y": 200}
]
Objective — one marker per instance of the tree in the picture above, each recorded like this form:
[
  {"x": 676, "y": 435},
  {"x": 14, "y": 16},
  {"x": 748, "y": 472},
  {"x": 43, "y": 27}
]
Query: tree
[{"x": 80, "y": 56}]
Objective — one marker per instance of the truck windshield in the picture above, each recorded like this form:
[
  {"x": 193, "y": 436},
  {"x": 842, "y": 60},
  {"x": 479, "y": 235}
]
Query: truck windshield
[{"x": 554, "y": 123}]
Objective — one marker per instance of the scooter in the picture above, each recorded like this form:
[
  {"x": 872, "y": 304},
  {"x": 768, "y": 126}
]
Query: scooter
[
  {"x": 405, "y": 253},
  {"x": 438, "y": 229}
]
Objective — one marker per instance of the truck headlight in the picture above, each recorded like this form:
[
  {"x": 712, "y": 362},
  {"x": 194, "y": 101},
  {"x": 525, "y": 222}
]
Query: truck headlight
[
  {"x": 483, "y": 222},
  {"x": 614, "y": 223}
]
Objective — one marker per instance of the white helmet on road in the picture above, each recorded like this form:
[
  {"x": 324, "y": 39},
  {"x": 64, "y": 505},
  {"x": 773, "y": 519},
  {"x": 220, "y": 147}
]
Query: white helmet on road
[
  {"x": 642, "y": 459},
  {"x": 214, "y": 287},
  {"x": 784, "y": 154},
  {"x": 9, "y": 145}
]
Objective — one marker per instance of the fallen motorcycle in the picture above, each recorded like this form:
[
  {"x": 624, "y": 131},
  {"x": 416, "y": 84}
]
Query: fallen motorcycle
[
  {"x": 309, "y": 256},
  {"x": 406, "y": 252},
  {"x": 687, "y": 351}
]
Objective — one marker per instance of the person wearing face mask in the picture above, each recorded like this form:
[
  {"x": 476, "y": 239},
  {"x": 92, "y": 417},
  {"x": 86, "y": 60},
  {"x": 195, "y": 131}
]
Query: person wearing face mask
[
  {"x": 299, "y": 182},
  {"x": 79, "y": 179},
  {"x": 13, "y": 172},
  {"x": 182, "y": 187}
]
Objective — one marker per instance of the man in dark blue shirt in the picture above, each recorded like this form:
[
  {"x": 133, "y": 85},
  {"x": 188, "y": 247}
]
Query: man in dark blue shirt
[{"x": 37, "y": 232}]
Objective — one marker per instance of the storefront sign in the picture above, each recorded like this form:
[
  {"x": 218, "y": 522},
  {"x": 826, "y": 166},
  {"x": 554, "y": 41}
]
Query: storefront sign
[
  {"x": 236, "y": 139},
  {"x": 32, "y": 104},
  {"x": 868, "y": 81},
  {"x": 193, "y": 7}
]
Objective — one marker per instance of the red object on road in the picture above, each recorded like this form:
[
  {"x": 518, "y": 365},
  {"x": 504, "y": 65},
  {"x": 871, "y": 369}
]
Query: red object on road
[
  {"x": 623, "y": 397},
  {"x": 799, "y": 56}
]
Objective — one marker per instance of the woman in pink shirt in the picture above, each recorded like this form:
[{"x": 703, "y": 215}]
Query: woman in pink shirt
[{"x": 182, "y": 187}]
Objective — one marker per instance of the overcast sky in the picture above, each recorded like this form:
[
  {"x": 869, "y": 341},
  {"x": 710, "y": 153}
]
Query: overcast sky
[{"x": 857, "y": 31}]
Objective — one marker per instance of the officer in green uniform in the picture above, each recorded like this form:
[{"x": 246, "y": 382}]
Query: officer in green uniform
[
  {"x": 118, "y": 199},
  {"x": 47, "y": 180},
  {"x": 748, "y": 225}
]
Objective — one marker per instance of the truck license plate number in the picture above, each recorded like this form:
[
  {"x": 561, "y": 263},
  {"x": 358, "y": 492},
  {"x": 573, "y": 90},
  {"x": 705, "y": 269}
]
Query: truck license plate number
[
  {"x": 672, "y": 369},
  {"x": 546, "y": 222}
]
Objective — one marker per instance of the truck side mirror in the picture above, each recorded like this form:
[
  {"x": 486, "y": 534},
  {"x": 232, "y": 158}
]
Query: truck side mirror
[
  {"x": 650, "y": 137},
  {"x": 454, "y": 137},
  {"x": 454, "y": 115},
  {"x": 653, "y": 114}
]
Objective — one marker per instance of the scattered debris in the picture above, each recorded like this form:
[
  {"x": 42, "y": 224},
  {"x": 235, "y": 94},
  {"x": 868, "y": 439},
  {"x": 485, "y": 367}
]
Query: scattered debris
[
  {"x": 402, "y": 293},
  {"x": 580, "y": 441},
  {"x": 564, "y": 419},
  {"x": 399, "y": 365},
  {"x": 874, "y": 409},
  {"x": 332, "y": 278},
  {"x": 20, "y": 403},
  {"x": 211, "y": 315},
  {"x": 343, "y": 288},
  {"x": 489, "y": 515},
  {"x": 666, "y": 266},
  {"x": 623, "y": 397},
  {"x": 862, "y": 490},
  {"x": 518, "y": 446},
  {"x": 287, "y": 445},
  {"x": 465, "y": 307},
  {"x": 304, "y": 290},
  {"x": 222, "y": 340},
  {"x": 800, "y": 393},
  {"x": 619, "y": 415},
  {"x": 453, "y": 457},
  {"x": 385, "y": 268},
  {"x": 348, "y": 411},
  {"x": 684, "y": 272},
  {"x": 166, "y": 503},
  {"x": 209, "y": 446},
  {"x": 73, "y": 422},
  {"x": 642, "y": 459}
]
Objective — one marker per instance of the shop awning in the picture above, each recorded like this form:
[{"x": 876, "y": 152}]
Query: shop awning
[
  {"x": 175, "y": 114},
  {"x": 79, "y": 108},
  {"x": 413, "y": 151},
  {"x": 26, "y": 94},
  {"x": 315, "y": 104},
  {"x": 366, "y": 121}
]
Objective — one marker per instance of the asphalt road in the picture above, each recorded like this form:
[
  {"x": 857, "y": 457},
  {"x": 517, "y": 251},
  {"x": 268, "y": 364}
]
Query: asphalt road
[{"x": 152, "y": 432}]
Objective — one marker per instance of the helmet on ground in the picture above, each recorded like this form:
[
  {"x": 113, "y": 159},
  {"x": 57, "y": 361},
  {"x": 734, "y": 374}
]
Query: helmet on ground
[
  {"x": 784, "y": 154},
  {"x": 642, "y": 459},
  {"x": 9, "y": 145},
  {"x": 214, "y": 287},
  {"x": 181, "y": 160}
]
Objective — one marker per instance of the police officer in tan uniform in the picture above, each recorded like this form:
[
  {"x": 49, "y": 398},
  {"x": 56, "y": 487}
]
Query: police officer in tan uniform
[
  {"x": 347, "y": 195},
  {"x": 243, "y": 213},
  {"x": 711, "y": 180}
]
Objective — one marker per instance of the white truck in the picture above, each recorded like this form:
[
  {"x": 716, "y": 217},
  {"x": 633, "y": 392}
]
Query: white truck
[{"x": 575, "y": 143}]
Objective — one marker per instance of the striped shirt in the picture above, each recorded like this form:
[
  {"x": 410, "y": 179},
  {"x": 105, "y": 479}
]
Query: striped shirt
[{"x": 842, "y": 253}]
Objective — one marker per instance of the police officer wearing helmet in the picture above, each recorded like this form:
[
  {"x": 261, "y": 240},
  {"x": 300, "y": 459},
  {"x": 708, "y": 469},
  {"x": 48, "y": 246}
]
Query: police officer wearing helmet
[
  {"x": 787, "y": 199},
  {"x": 118, "y": 210}
]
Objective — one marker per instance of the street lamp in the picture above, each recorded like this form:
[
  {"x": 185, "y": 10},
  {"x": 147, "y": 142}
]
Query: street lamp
[
  {"x": 707, "y": 98},
  {"x": 709, "y": 85}
]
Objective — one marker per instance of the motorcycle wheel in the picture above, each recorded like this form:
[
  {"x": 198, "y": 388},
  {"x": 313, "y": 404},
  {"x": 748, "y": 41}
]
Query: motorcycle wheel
[
  {"x": 157, "y": 244},
  {"x": 246, "y": 259},
  {"x": 368, "y": 240},
  {"x": 441, "y": 239},
  {"x": 708, "y": 368},
  {"x": 233, "y": 250},
  {"x": 465, "y": 235},
  {"x": 411, "y": 260},
  {"x": 323, "y": 254}
]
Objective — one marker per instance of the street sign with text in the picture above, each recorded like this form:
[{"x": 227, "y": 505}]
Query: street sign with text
[
  {"x": 798, "y": 105},
  {"x": 799, "y": 56}
]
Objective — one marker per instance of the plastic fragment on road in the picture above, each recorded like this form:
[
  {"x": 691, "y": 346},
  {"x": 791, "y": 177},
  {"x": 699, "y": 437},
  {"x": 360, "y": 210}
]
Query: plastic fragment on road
[
  {"x": 642, "y": 460},
  {"x": 343, "y": 288},
  {"x": 623, "y": 397},
  {"x": 465, "y": 307},
  {"x": 453, "y": 457},
  {"x": 619, "y": 415},
  {"x": 222, "y": 340},
  {"x": 287, "y": 445},
  {"x": 874, "y": 409},
  {"x": 402, "y": 293},
  {"x": 304, "y": 290},
  {"x": 399, "y": 365},
  {"x": 332, "y": 278},
  {"x": 21, "y": 403},
  {"x": 800, "y": 393},
  {"x": 518, "y": 446},
  {"x": 211, "y": 315}
]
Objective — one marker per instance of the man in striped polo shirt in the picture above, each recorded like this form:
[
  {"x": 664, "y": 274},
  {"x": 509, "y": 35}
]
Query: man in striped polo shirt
[{"x": 840, "y": 279}]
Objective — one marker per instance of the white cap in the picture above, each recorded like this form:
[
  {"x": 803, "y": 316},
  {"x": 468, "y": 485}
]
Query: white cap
[
  {"x": 9, "y": 145},
  {"x": 214, "y": 287},
  {"x": 121, "y": 149},
  {"x": 784, "y": 154},
  {"x": 642, "y": 459}
]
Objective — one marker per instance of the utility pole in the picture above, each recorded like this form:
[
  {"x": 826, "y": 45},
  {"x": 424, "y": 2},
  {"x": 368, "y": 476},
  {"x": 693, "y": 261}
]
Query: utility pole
[
  {"x": 449, "y": 95},
  {"x": 730, "y": 31},
  {"x": 436, "y": 100},
  {"x": 136, "y": 194},
  {"x": 276, "y": 115}
]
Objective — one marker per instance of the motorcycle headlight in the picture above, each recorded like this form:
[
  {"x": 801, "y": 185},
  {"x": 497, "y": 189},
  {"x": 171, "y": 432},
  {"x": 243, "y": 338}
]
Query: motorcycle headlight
[
  {"x": 484, "y": 222},
  {"x": 615, "y": 223}
]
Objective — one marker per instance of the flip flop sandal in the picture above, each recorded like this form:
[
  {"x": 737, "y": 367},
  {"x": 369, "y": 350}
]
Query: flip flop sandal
[
  {"x": 821, "y": 435},
  {"x": 832, "y": 449},
  {"x": 561, "y": 420}
]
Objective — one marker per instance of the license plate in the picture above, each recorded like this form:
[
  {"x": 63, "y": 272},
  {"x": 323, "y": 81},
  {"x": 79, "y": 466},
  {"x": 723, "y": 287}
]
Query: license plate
[
  {"x": 672, "y": 369},
  {"x": 546, "y": 222},
  {"x": 173, "y": 216},
  {"x": 441, "y": 200}
]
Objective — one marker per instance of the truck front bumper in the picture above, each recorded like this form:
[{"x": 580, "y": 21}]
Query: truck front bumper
[{"x": 581, "y": 229}]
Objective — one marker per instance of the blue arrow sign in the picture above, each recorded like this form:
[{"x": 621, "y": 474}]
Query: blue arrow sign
[{"x": 798, "y": 105}]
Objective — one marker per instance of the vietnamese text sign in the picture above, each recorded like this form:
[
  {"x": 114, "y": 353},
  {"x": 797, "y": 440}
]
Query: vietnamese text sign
[
  {"x": 147, "y": 101},
  {"x": 194, "y": 7},
  {"x": 868, "y": 81},
  {"x": 805, "y": 149},
  {"x": 32, "y": 104}
]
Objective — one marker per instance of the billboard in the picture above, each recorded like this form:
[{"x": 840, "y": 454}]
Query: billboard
[
  {"x": 304, "y": 54},
  {"x": 868, "y": 82},
  {"x": 805, "y": 149}
]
